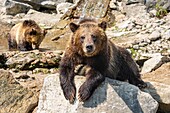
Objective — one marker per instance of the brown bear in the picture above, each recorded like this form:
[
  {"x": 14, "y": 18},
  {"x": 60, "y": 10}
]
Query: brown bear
[
  {"x": 25, "y": 34},
  {"x": 89, "y": 47}
]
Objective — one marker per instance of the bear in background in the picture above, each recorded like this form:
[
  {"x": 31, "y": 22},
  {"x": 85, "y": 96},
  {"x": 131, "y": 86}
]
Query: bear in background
[
  {"x": 91, "y": 53},
  {"x": 24, "y": 35}
]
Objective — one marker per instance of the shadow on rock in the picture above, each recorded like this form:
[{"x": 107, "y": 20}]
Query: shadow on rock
[
  {"x": 98, "y": 97},
  {"x": 153, "y": 92}
]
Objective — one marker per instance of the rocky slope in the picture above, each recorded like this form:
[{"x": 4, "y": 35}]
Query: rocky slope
[{"x": 143, "y": 27}]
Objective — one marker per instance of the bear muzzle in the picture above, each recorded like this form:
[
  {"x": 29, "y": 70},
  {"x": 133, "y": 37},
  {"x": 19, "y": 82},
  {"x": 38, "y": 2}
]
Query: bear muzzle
[{"x": 89, "y": 48}]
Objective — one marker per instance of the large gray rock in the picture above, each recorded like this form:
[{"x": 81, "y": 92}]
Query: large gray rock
[
  {"x": 14, "y": 98},
  {"x": 88, "y": 8},
  {"x": 153, "y": 63},
  {"x": 13, "y": 7},
  {"x": 110, "y": 97}
]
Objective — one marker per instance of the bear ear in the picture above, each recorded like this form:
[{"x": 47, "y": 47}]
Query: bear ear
[
  {"x": 103, "y": 25},
  {"x": 26, "y": 22},
  {"x": 73, "y": 27},
  {"x": 44, "y": 32}
]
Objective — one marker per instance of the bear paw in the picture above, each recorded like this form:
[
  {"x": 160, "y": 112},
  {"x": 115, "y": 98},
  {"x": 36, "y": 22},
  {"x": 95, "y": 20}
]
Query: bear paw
[
  {"x": 143, "y": 85},
  {"x": 84, "y": 93},
  {"x": 70, "y": 93}
]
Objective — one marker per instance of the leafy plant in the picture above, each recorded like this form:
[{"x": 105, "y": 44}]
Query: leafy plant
[
  {"x": 160, "y": 11},
  {"x": 133, "y": 52}
]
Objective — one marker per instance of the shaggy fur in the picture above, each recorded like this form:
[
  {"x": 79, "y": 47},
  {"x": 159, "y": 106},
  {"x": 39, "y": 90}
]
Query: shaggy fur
[
  {"x": 90, "y": 50},
  {"x": 25, "y": 34}
]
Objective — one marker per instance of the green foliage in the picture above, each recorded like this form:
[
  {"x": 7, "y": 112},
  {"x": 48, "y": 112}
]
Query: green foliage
[
  {"x": 160, "y": 11},
  {"x": 133, "y": 52}
]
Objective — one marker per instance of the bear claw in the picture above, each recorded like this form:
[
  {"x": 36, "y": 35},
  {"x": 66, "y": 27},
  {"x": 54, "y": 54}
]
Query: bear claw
[{"x": 84, "y": 93}]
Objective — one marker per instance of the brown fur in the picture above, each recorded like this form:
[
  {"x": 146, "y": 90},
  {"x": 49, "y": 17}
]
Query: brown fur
[
  {"x": 25, "y": 34},
  {"x": 90, "y": 47}
]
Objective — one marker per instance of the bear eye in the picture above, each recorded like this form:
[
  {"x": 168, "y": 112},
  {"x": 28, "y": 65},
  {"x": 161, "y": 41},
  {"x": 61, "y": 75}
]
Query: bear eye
[
  {"x": 94, "y": 38},
  {"x": 82, "y": 38}
]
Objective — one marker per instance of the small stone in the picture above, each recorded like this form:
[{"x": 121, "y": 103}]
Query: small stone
[
  {"x": 49, "y": 4},
  {"x": 148, "y": 25},
  {"x": 155, "y": 35},
  {"x": 143, "y": 44},
  {"x": 112, "y": 4},
  {"x": 124, "y": 25},
  {"x": 138, "y": 26},
  {"x": 166, "y": 35},
  {"x": 136, "y": 47},
  {"x": 152, "y": 13}
]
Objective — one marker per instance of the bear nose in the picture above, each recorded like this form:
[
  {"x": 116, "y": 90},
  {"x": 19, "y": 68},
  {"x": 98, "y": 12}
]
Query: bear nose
[{"x": 89, "y": 48}]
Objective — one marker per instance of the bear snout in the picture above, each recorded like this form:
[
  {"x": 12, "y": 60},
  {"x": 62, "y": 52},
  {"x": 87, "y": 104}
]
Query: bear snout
[{"x": 89, "y": 48}]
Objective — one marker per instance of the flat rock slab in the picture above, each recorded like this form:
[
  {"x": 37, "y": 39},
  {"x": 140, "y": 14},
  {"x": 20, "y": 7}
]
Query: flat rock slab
[{"x": 110, "y": 97}]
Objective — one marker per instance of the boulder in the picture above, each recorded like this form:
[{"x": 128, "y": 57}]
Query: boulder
[
  {"x": 13, "y": 7},
  {"x": 110, "y": 97},
  {"x": 90, "y": 9},
  {"x": 14, "y": 98},
  {"x": 153, "y": 63}
]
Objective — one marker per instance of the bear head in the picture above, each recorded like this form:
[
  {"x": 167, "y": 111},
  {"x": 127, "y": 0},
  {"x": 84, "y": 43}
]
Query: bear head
[
  {"x": 89, "y": 37},
  {"x": 33, "y": 33}
]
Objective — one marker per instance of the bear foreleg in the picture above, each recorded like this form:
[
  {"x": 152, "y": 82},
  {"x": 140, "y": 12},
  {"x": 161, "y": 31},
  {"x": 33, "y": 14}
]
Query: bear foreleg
[
  {"x": 24, "y": 46},
  {"x": 67, "y": 84},
  {"x": 93, "y": 80}
]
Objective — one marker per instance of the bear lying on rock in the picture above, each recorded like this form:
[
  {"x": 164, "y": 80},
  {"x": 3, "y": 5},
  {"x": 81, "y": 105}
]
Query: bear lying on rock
[
  {"x": 90, "y": 52},
  {"x": 25, "y": 34}
]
